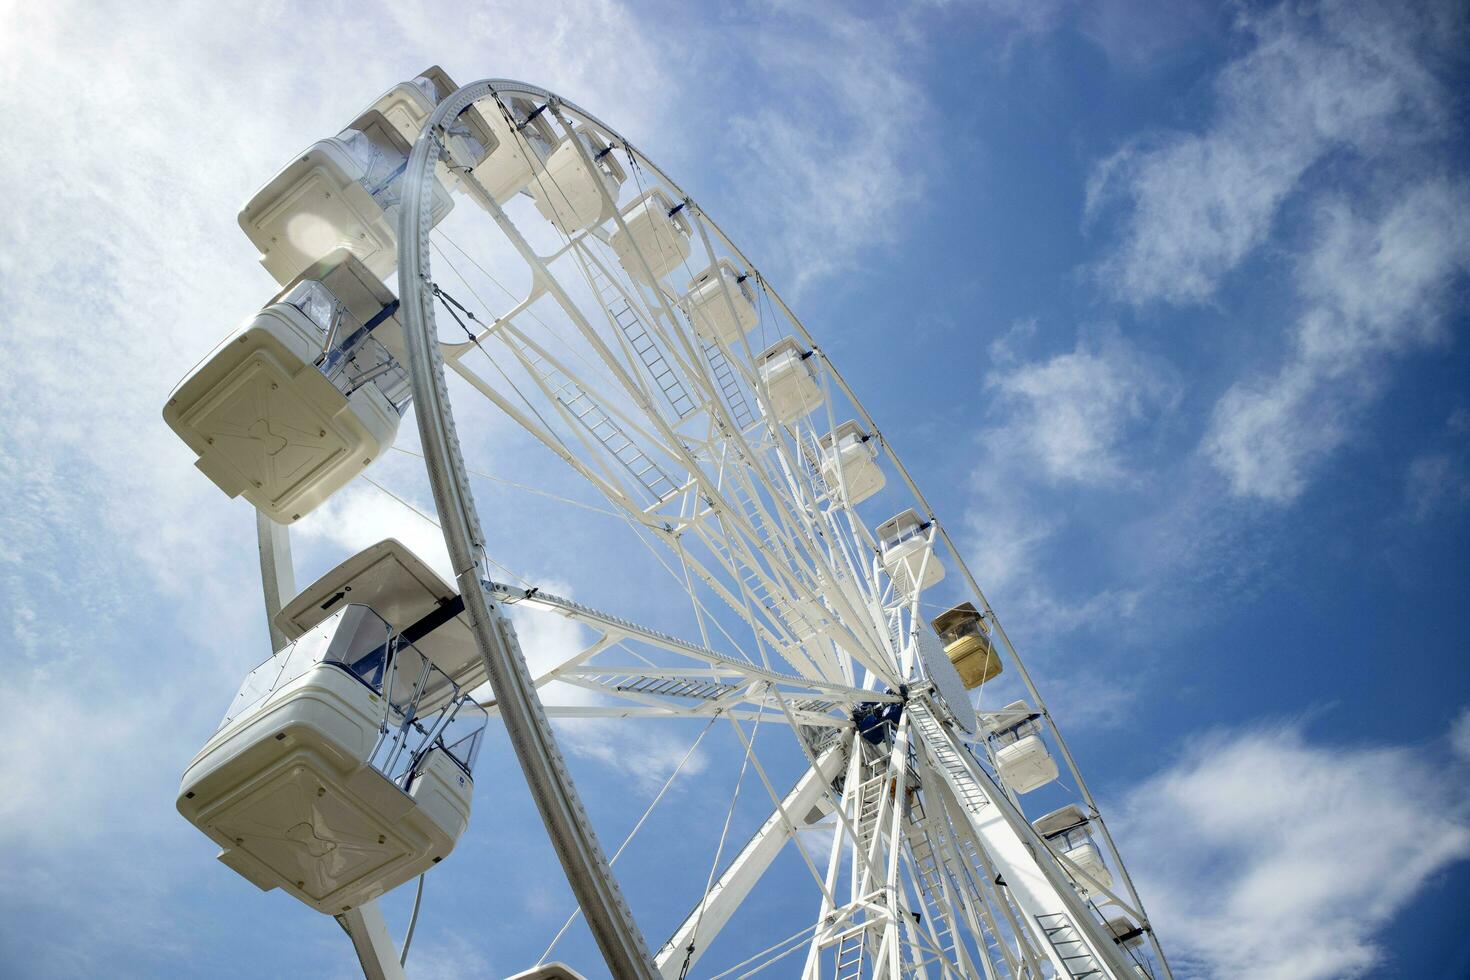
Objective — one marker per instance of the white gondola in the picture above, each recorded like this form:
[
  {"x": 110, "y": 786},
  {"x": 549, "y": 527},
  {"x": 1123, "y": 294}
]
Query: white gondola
[
  {"x": 721, "y": 304},
  {"x": 1021, "y": 755},
  {"x": 657, "y": 234},
  {"x": 330, "y": 777},
  {"x": 906, "y": 545},
  {"x": 401, "y": 588},
  {"x": 300, "y": 399},
  {"x": 569, "y": 193},
  {"x": 407, "y": 106},
  {"x": 850, "y": 462},
  {"x": 1125, "y": 932},
  {"x": 786, "y": 371},
  {"x": 342, "y": 192},
  {"x": 1068, "y": 831},
  {"x": 524, "y": 139}
]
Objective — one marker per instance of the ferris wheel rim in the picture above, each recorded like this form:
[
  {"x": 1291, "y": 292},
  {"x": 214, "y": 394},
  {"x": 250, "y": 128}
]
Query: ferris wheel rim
[
  {"x": 582, "y": 858},
  {"x": 461, "y": 526}
]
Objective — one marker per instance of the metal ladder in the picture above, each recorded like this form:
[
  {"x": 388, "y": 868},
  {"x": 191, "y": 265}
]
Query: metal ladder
[
  {"x": 777, "y": 603},
  {"x": 622, "y": 313},
  {"x": 1072, "y": 951},
  {"x": 1071, "y": 948},
  {"x": 671, "y": 687},
  {"x": 851, "y": 954},
  {"x": 700, "y": 690},
  {"x": 970, "y": 794},
  {"x": 601, "y": 426},
  {"x": 811, "y": 454},
  {"x": 729, "y": 385},
  {"x": 932, "y": 877}
]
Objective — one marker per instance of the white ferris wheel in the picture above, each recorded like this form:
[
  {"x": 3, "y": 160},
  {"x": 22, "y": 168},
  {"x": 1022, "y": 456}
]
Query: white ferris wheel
[{"x": 592, "y": 302}]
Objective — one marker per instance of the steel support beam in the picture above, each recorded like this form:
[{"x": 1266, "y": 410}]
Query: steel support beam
[
  {"x": 370, "y": 938},
  {"x": 547, "y": 778},
  {"x": 730, "y": 890}
]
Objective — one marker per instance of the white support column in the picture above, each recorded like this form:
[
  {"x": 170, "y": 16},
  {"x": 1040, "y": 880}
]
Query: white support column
[
  {"x": 1032, "y": 876},
  {"x": 375, "y": 950},
  {"x": 277, "y": 574},
  {"x": 734, "y": 885}
]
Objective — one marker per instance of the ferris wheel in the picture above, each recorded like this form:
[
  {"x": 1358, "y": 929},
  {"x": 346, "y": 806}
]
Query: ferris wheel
[{"x": 547, "y": 270}]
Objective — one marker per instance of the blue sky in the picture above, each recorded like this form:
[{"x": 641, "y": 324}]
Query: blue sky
[{"x": 1163, "y": 305}]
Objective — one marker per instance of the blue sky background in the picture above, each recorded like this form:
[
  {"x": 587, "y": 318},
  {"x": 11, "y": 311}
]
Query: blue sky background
[{"x": 1163, "y": 305}]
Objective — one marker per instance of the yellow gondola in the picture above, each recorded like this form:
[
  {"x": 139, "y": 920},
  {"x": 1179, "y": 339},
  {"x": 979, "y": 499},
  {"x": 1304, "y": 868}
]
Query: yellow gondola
[{"x": 966, "y": 638}]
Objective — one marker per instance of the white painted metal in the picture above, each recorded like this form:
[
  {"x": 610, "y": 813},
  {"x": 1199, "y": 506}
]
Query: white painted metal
[
  {"x": 653, "y": 239},
  {"x": 292, "y": 785},
  {"x": 277, "y": 574},
  {"x": 733, "y": 470},
  {"x": 294, "y": 404},
  {"x": 721, "y": 303},
  {"x": 759, "y": 524},
  {"x": 342, "y": 192},
  {"x": 551, "y": 786},
  {"x": 950, "y": 689},
  {"x": 792, "y": 388},
  {"x": 737, "y": 880},
  {"x": 370, "y": 938},
  {"x": 400, "y": 587},
  {"x": 1064, "y": 926}
]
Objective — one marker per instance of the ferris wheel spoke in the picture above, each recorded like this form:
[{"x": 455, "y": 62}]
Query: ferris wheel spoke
[
  {"x": 740, "y": 877},
  {"x": 612, "y": 490},
  {"x": 710, "y": 422}
]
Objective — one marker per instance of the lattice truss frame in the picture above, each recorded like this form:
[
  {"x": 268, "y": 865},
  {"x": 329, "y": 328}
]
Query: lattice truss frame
[{"x": 933, "y": 869}]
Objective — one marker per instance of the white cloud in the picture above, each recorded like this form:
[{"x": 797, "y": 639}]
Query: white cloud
[
  {"x": 1376, "y": 287},
  {"x": 1067, "y": 420},
  {"x": 1435, "y": 482},
  {"x": 1335, "y": 76},
  {"x": 833, "y": 164},
  {"x": 1263, "y": 855},
  {"x": 1071, "y": 413},
  {"x": 361, "y": 515},
  {"x": 1132, "y": 34},
  {"x": 1460, "y": 734},
  {"x": 127, "y": 581}
]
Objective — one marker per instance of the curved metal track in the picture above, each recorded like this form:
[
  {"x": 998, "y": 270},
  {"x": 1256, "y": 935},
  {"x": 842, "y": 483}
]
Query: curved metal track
[{"x": 576, "y": 844}]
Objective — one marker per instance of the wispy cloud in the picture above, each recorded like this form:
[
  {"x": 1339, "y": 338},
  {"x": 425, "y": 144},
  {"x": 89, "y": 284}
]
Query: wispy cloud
[
  {"x": 1071, "y": 413},
  {"x": 1258, "y": 827},
  {"x": 1080, "y": 419},
  {"x": 1376, "y": 287},
  {"x": 833, "y": 163},
  {"x": 1332, "y": 77},
  {"x": 1460, "y": 734}
]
